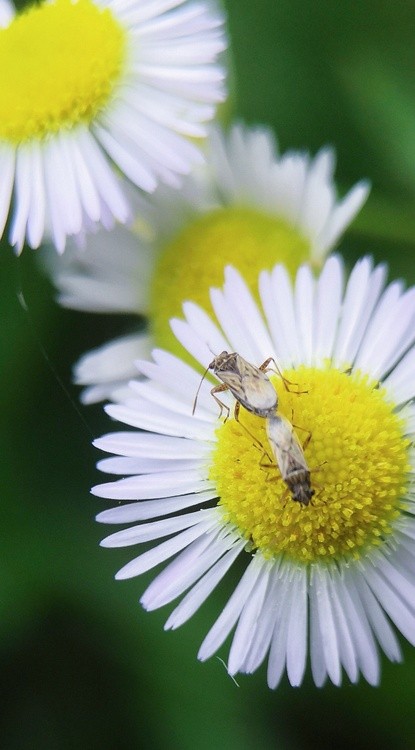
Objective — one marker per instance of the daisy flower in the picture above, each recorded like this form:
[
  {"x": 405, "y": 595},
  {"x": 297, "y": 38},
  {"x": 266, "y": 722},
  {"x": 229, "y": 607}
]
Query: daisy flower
[
  {"x": 323, "y": 583},
  {"x": 93, "y": 84},
  {"x": 248, "y": 206}
]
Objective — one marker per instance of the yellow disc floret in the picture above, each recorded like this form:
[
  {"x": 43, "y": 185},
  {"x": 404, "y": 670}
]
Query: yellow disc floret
[
  {"x": 358, "y": 460},
  {"x": 247, "y": 238},
  {"x": 59, "y": 63}
]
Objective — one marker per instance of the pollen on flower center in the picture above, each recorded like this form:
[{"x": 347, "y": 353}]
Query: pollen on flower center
[
  {"x": 249, "y": 239},
  {"x": 358, "y": 459},
  {"x": 60, "y": 61}
]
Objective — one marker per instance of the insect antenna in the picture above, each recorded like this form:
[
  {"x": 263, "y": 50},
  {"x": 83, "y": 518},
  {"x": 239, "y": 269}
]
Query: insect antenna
[{"x": 198, "y": 390}]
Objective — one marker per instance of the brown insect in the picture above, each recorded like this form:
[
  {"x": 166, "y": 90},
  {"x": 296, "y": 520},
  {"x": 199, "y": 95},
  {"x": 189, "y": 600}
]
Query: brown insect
[
  {"x": 290, "y": 458},
  {"x": 248, "y": 384},
  {"x": 252, "y": 389}
]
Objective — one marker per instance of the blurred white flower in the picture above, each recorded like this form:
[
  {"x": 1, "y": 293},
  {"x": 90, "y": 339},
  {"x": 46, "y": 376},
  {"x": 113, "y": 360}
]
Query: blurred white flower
[{"x": 247, "y": 205}]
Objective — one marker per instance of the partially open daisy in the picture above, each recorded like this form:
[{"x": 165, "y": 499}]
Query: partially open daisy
[
  {"x": 89, "y": 84},
  {"x": 327, "y": 579},
  {"x": 248, "y": 206}
]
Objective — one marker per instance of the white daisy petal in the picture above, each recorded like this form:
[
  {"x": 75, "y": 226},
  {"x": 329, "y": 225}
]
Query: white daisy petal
[
  {"x": 136, "y": 444},
  {"x": 202, "y": 325},
  {"x": 343, "y": 214},
  {"x": 88, "y": 193},
  {"x": 182, "y": 572},
  {"x": 154, "y": 530},
  {"x": 23, "y": 184},
  {"x": 114, "y": 390},
  {"x": 398, "y": 577},
  {"x": 407, "y": 411},
  {"x": 328, "y": 304},
  {"x": 398, "y": 334},
  {"x": 54, "y": 200},
  {"x": 326, "y": 623},
  {"x": 7, "y": 13},
  {"x": 297, "y": 629},
  {"x": 106, "y": 183},
  {"x": 108, "y": 367},
  {"x": 319, "y": 197},
  {"x": 144, "y": 510},
  {"x": 191, "y": 17},
  {"x": 148, "y": 486},
  {"x": 362, "y": 293},
  {"x": 127, "y": 465},
  {"x": 363, "y": 640},
  {"x": 181, "y": 381},
  {"x": 121, "y": 152},
  {"x": 239, "y": 296},
  {"x": 318, "y": 662},
  {"x": 198, "y": 348},
  {"x": 266, "y": 624},
  {"x": 200, "y": 592},
  {"x": 98, "y": 295},
  {"x": 160, "y": 397},
  {"x": 278, "y": 650},
  {"x": 149, "y": 10},
  {"x": 347, "y": 654},
  {"x": 398, "y": 610},
  {"x": 400, "y": 381},
  {"x": 375, "y": 339},
  {"x": 230, "y": 614},
  {"x": 163, "y": 551},
  {"x": 37, "y": 208},
  {"x": 7, "y": 170},
  {"x": 159, "y": 420},
  {"x": 232, "y": 326},
  {"x": 304, "y": 303},
  {"x": 279, "y": 309},
  {"x": 245, "y": 630},
  {"x": 378, "y": 620},
  {"x": 110, "y": 362},
  {"x": 292, "y": 175}
]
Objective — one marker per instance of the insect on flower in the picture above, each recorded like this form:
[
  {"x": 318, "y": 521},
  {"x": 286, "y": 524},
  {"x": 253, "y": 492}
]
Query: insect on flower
[
  {"x": 290, "y": 458},
  {"x": 252, "y": 388},
  {"x": 250, "y": 385}
]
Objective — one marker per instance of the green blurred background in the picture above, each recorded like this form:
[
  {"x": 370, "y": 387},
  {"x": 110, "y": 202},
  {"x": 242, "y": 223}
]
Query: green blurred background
[{"x": 82, "y": 665}]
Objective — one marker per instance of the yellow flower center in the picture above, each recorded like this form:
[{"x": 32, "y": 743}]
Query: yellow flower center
[
  {"x": 194, "y": 261},
  {"x": 358, "y": 460},
  {"x": 60, "y": 62}
]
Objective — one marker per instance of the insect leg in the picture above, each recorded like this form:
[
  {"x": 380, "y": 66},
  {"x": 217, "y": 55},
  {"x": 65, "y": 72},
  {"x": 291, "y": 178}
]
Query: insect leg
[
  {"x": 318, "y": 467},
  {"x": 303, "y": 429},
  {"x": 257, "y": 443},
  {"x": 264, "y": 367},
  {"x": 222, "y": 406},
  {"x": 267, "y": 467}
]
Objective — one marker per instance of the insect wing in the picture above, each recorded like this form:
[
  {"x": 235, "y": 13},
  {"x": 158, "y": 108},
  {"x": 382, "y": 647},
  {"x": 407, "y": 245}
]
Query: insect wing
[
  {"x": 285, "y": 445},
  {"x": 260, "y": 394}
]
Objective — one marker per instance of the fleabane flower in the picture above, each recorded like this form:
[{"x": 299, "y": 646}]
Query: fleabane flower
[
  {"x": 248, "y": 206},
  {"x": 88, "y": 85},
  {"x": 323, "y": 582}
]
